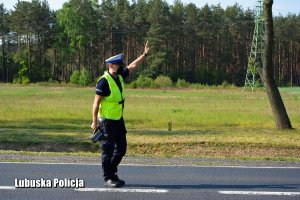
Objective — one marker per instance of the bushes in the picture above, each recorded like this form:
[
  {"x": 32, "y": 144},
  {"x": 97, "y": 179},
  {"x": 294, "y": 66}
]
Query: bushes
[
  {"x": 21, "y": 79},
  {"x": 82, "y": 77},
  {"x": 159, "y": 82},
  {"x": 74, "y": 79},
  {"x": 163, "y": 81},
  {"x": 85, "y": 78},
  {"x": 181, "y": 83},
  {"x": 146, "y": 82},
  {"x": 166, "y": 82},
  {"x": 22, "y": 76}
]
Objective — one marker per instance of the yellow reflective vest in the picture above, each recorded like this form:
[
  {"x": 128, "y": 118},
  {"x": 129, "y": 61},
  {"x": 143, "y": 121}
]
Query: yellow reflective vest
[{"x": 111, "y": 107}]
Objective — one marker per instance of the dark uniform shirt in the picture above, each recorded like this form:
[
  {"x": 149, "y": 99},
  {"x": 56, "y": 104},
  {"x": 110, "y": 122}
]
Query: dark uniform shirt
[{"x": 102, "y": 87}]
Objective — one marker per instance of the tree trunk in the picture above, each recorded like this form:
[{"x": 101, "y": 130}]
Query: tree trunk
[
  {"x": 281, "y": 117},
  {"x": 4, "y": 60}
]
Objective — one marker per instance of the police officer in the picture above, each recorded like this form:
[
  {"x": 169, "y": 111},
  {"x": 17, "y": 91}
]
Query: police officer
[{"x": 108, "y": 111}]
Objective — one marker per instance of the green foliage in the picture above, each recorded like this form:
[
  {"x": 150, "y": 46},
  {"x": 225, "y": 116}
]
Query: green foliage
[
  {"x": 206, "y": 45},
  {"x": 22, "y": 76},
  {"x": 21, "y": 79},
  {"x": 156, "y": 62},
  {"x": 75, "y": 77},
  {"x": 25, "y": 80},
  {"x": 34, "y": 21},
  {"x": 259, "y": 84},
  {"x": 181, "y": 83},
  {"x": 79, "y": 23},
  {"x": 163, "y": 82},
  {"x": 142, "y": 82},
  {"x": 207, "y": 76},
  {"x": 16, "y": 79},
  {"x": 225, "y": 84},
  {"x": 198, "y": 86},
  {"x": 51, "y": 80},
  {"x": 85, "y": 77},
  {"x": 166, "y": 82},
  {"x": 82, "y": 77},
  {"x": 157, "y": 35}
]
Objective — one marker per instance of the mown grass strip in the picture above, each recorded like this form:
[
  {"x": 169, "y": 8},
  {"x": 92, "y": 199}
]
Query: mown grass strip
[{"x": 206, "y": 123}]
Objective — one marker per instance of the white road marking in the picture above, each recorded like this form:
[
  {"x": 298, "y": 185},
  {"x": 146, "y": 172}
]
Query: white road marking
[
  {"x": 121, "y": 190},
  {"x": 7, "y": 188},
  {"x": 149, "y": 165},
  {"x": 261, "y": 193}
]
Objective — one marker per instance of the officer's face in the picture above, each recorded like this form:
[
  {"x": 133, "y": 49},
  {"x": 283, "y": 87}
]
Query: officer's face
[
  {"x": 115, "y": 67},
  {"x": 118, "y": 68}
]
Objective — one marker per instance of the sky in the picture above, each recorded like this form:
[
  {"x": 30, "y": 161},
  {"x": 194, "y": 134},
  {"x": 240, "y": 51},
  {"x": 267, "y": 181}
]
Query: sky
[{"x": 279, "y": 7}]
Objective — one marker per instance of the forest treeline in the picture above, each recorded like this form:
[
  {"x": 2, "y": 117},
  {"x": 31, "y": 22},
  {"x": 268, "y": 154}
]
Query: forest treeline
[{"x": 207, "y": 45}]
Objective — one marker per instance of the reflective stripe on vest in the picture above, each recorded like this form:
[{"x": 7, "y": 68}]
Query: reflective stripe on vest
[{"x": 111, "y": 107}]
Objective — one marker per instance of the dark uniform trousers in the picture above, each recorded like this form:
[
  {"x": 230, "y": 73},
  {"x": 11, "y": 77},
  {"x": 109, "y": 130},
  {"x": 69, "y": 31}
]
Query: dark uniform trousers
[{"x": 113, "y": 147}]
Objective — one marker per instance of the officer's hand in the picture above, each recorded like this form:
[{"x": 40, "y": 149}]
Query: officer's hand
[
  {"x": 94, "y": 127},
  {"x": 146, "y": 48}
]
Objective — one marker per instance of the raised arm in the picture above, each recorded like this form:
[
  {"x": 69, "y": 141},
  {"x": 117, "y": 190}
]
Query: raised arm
[{"x": 139, "y": 60}]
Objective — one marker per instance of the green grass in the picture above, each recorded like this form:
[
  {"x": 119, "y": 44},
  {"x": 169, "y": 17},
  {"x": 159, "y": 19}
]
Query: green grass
[{"x": 226, "y": 123}]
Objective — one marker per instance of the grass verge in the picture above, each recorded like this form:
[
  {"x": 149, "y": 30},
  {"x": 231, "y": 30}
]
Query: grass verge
[
  {"x": 217, "y": 123},
  {"x": 233, "y": 143}
]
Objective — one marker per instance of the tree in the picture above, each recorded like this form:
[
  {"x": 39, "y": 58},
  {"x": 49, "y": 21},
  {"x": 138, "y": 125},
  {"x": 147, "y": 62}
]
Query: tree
[
  {"x": 157, "y": 37},
  {"x": 281, "y": 117},
  {"x": 176, "y": 48},
  {"x": 141, "y": 24},
  {"x": 79, "y": 20},
  {"x": 21, "y": 24},
  {"x": 191, "y": 40},
  {"x": 32, "y": 22},
  {"x": 4, "y": 30},
  {"x": 207, "y": 45},
  {"x": 42, "y": 22},
  {"x": 287, "y": 48}
]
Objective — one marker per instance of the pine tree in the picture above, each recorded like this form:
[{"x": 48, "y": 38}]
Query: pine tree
[
  {"x": 157, "y": 37},
  {"x": 4, "y": 30}
]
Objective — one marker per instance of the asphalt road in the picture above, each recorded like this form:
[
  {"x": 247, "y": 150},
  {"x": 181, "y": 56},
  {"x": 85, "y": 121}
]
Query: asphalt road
[{"x": 153, "y": 182}]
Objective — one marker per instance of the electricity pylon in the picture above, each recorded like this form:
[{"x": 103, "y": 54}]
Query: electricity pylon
[{"x": 256, "y": 53}]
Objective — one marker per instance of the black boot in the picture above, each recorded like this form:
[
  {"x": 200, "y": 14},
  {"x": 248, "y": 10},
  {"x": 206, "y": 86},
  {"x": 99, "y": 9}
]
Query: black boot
[{"x": 121, "y": 182}]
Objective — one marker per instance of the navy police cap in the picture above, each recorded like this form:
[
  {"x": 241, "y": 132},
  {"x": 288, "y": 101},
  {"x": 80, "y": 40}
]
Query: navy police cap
[{"x": 115, "y": 59}]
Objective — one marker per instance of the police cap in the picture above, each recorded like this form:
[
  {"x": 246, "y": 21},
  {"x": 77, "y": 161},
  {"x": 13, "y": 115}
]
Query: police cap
[{"x": 115, "y": 59}]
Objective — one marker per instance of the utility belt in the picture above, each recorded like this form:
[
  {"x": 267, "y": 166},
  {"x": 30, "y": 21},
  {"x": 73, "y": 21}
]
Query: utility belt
[{"x": 123, "y": 103}]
